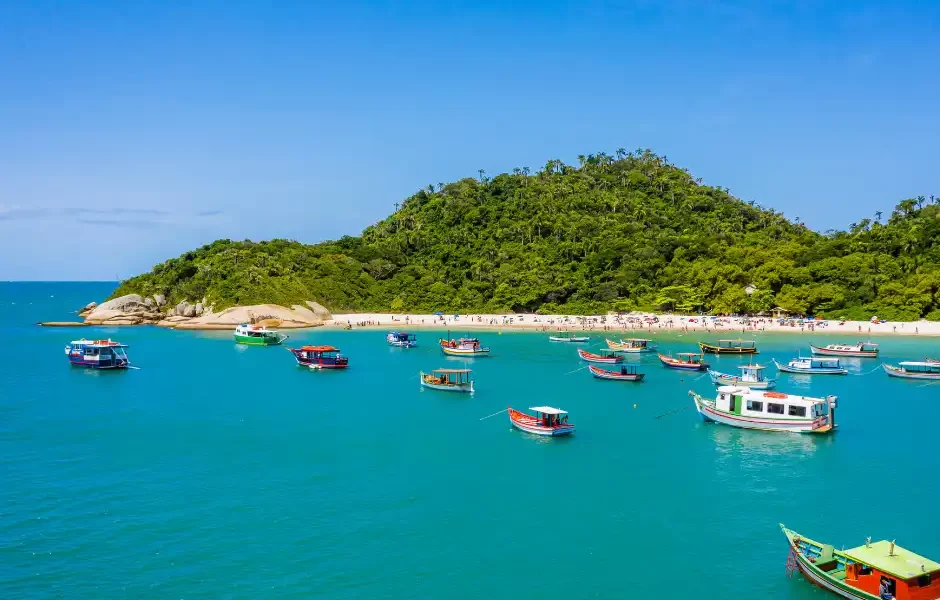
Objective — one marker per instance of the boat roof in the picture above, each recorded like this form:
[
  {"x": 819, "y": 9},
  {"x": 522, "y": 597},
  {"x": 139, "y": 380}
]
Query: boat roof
[
  {"x": 932, "y": 365},
  {"x": 740, "y": 340},
  {"x": 548, "y": 410},
  {"x": 770, "y": 396},
  {"x": 903, "y": 564},
  {"x": 452, "y": 371},
  {"x": 319, "y": 349},
  {"x": 754, "y": 367},
  {"x": 399, "y": 333},
  {"x": 109, "y": 343},
  {"x": 637, "y": 340},
  {"x": 688, "y": 354}
]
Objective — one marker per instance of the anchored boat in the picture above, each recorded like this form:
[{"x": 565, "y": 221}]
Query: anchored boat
[
  {"x": 447, "y": 380},
  {"x": 872, "y": 571},
  {"x": 402, "y": 339},
  {"x": 97, "y": 354},
  {"x": 258, "y": 335},
  {"x": 548, "y": 421},
  {"x": 813, "y": 366},
  {"x": 861, "y": 350},
  {"x": 730, "y": 347},
  {"x": 320, "y": 357},
  {"x": 914, "y": 370},
  {"x": 626, "y": 373},
  {"x": 769, "y": 411},
  {"x": 752, "y": 376},
  {"x": 467, "y": 347},
  {"x": 633, "y": 345},
  {"x": 686, "y": 361},
  {"x": 568, "y": 337},
  {"x": 608, "y": 358}
]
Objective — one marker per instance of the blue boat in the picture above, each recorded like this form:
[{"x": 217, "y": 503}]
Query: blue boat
[
  {"x": 402, "y": 339},
  {"x": 97, "y": 354},
  {"x": 813, "y": 366}
]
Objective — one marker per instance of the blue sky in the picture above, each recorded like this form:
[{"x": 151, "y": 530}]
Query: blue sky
[{"x": 132, "y": 132}]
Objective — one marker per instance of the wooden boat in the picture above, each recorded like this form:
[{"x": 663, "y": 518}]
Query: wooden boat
[
  {"x": 872, "y": 571},
  {"x": 730, "y": 347},
  {"x": 402, "y": 339},
  {"x": 626, "y": 373},
  {"x": 258, "y": 335},
  {"x": 97, "y": 354},
  {"x": 447, "y": 380},
  {"x": 320, "y": 357},
  {"x": 608, "y": 358},
  {"x": 752, "y": 376},
  {"x": 466, "y": 347},
  {"x": 687, "y": 361},
  {"x": 568, "y": 337},
  {"x": 933, "y": 360},
  {"x": 813, "y": 366},
  {"x": 768, "y": 411},
  {"x": 860, "y": 349},
  {"x": 633, "y": 345},
  {"x": 548, "y": 421},
  {"x": 914, "y": 370}
]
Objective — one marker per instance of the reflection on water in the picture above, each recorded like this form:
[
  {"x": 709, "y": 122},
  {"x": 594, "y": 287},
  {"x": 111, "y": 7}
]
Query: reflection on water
[{"x": 731, "y": 440}]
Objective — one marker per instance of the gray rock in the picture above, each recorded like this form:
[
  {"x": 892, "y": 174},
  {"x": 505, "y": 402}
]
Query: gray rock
[
  {"x": 199, "y": 309},
  {"x": 190, "y": 311},
  {"x": 126, "y": 303},
  {"x": 320, "y": 311},
  {"x": 148, "y": 302},
  {"x": 160, "y": 299},
  {"x": 91, "y": 306},
  {"x": 181, "y": 308}
]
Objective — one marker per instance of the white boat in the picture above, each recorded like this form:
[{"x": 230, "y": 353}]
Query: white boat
[
  {"x": 633, "y": 345},
  {"x": 447, "y": 380},
  {"x": 768, "y": 411},
  {"x": 859, "y": 349},
  {"x": 568, "y": 337},
  {"x": 914, "y": 370},
  {"x": 812, "y": 366},
  {"x": 752, "y": 376},
  {"x": 548, "y": 421},
  {"x": 402, "y": 339},
  {"x": 467, "y": 347}
]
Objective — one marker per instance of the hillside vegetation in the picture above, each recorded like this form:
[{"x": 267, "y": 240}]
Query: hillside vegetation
[{"x": 622, "y": 232}]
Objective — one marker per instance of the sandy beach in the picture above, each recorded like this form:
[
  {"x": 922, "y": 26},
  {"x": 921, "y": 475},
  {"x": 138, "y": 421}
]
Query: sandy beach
[{"x": 646, "y": 323}]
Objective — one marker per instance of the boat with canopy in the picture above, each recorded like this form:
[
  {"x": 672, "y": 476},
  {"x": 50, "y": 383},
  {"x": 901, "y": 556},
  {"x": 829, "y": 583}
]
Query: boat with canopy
[
  {"x": 815, "y": 365},
  {"x": 447, "y": 380},
  {"x": 686, "y": 361},
  {"x": 768, "y": 411},
  {"x": 548, "y": 421},
  {"x": 466, "y": 347},
  {"x": 859, "y": 350},
  {"x": 626, "y": 373},
  {"x": 752, "y": 376},
  {"x": 320, "y": 357},
  {"x": 730, "y": 347},
  {"x": 97, "y": 354},
  {"x": 608, "y": 358},
  {"x": 258, "y": 335},
  {"x": 567, "y": 336},
  {"x": 402, "y": 339},
  {"x": 914, "y": 370},
  {"x": 632, "y": 345}
]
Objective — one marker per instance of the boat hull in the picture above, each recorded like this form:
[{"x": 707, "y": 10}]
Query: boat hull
[
  {"x": 404, "y": 344},
  {"x": 622, "y": 347},
  {"x": 88, "y": 364},
  {"x": 800, "y": 371},
  {"x": 681, "y": 366},
  {"x": 570, "y": 340},
  {"x": 708, "y": 349},
  {"x": 530, "y": 424},
  {"x": 708, "y": 412},
  {"x": 817, "y": 351},
  {"x": 596, "y": 358},
  {"x": 818, "y": 577},
  {"x": 258, "y": 340},
  {"x": 615, "y": 376},
  {"x": 466, "y": 352},
  {"x": 724, "y": 379},
  {"x": 902, "y": 374},
  {"x": 464, "y": 388}
]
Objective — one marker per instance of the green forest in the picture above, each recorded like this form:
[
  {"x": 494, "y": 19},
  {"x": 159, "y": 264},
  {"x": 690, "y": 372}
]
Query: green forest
[{"x": 624, "y": 232}]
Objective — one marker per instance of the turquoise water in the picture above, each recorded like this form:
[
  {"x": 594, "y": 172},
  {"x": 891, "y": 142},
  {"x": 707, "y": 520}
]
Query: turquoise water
[{"x": 223, "y": 471}]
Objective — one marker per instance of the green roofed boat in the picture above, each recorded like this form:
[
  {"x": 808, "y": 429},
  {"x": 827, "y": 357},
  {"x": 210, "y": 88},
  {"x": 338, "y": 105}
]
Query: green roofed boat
[{"x": 258, "y": 335}]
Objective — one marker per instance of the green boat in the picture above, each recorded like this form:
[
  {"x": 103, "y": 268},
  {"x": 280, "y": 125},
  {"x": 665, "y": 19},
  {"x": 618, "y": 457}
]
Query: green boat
[{"x": 258, "y": 335}]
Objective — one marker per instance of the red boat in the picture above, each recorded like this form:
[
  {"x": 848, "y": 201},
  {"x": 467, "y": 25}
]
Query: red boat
[
  {"x": 320, "y": 357},
  {"x": 625, "y": 374},
  {"x": 609, "y": 358},
  {"x": 548, "y": 421},
  {"x": 687, "y": 361}
]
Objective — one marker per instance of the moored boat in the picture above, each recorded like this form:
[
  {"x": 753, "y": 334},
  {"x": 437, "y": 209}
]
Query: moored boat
[
  {"x": 686, "y": 361},
  {"x": 914, "y": 370},
  {"x": 626, "y": 373},
  {"x": 320, "y": 357},
  {"x": 567, "y": 336},
  {"x": 608, "y": 358},
  {"x": 466, "y": 347},
  {"x": 933, "y": 360},
  {"x": 730, "y": 347},
  {"x": 447, "y": 380},
  {"x": 633, "y": 345},
  {"x": 768, "y": 411},
  {"x": 97, "y": 354},
  {"x": 812, "y": 366},
  {"x": 402, "y": 339},
  {"x": 872, "y": 571},
  {"x": 860, "y": 349},
  {"x": 752, "y": 376},
  {"x": 258, "y": 335},
  {"x": 548, "y": 421}
]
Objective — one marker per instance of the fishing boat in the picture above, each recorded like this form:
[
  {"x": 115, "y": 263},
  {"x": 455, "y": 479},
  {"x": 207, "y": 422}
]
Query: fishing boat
[
  {"x": 447, "y": 380},
  {"x": 402, "y": 339},
  {"x": 768, "y": 411},
  {"x": 813, "y": 366},
  {"x": 687, "y": 361},
  {"x": 320, "y": 357},
  {"x": 568, "y": 337},
  {"x": 752, "y": 376},
  {"x": 933, "y": 360},
  {"x": 860, "y": 349},
  {"x": 608, "y": 358},
  {"x": 97, "y": 354},
  {"x": 914, "y": 370},
  {"x": 466, "y": 347},
  {"x": 872, "y": 571},
  {"x": 626, "y": 373},
  {"x": 548, "y": 421},
  {"x": 633, "y": 345},
  {"x": 258, "y": 335},
  {"x": 730, "y": 347}
]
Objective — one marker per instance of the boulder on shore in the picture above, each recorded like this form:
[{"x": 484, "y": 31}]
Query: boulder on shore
[
  {"x": 198, "y": 309},
  {"x": 90, "y": 306},
  {"x": 160, "y": 299},
  {"x": 229, "y": 318},
  {"x": 320, "y": 311},
  {"x": 181, "y": 308}
]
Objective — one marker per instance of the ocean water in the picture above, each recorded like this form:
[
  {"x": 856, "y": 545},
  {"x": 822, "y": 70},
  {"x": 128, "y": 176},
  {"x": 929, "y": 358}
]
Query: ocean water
[{"x": 223, "y": 471}]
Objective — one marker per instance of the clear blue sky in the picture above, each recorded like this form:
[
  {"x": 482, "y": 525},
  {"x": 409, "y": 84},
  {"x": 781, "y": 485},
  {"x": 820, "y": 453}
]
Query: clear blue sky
[{"x": 132, "y": 132}]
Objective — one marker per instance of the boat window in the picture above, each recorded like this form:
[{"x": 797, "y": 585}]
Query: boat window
[
  {"x": 755, "y": 405},
  {"x": 797, "y": 411},
  {"x": 924, "y": 580},
  {"x": 864, "y": 570},
  {"x": 774, "y": 408}
]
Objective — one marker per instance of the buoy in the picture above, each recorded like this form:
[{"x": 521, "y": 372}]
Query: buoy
[{"x": 634, "y": 406}]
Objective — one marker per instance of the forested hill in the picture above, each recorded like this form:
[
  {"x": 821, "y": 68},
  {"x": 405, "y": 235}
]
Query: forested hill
[{"x": 616, "y": 233}]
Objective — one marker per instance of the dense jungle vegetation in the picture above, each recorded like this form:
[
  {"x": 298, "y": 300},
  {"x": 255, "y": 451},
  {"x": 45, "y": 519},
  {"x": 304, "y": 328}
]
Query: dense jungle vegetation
[{"x": 624, "y": 232}]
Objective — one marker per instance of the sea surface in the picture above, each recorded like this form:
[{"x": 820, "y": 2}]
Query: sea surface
[{"x": 225, "y": 471}]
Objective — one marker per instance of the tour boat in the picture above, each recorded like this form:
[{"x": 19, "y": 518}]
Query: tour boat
[
  {"x": 688, "y": 361},
  {"x": 769, "y": 411},
  {"x": 548, "y": 421},
  {"x": 752, "y": 376},
  {"x": 97, "y": 354},
  {"x": 608, "y": 359},
  {"x": 447, "y": 380},
  {"x": 466, "y": 347},
  {"x": 861, "y": 350},
  {"x": 933, "y": 360},
  {"x": 568, "y": 337},
  {"x": 813, "y": 366},
  {"x": 914, "y": 370},
  {"x": 634, "y": 345},
  {"x": 872, "y": 571},
  {"x": 626, "y": 373},
  {"x": 320, "y": 357},
  {"x": 730, "y": 347},
  {"x": 402, "y": 339},
  {"x": 258, "y": 335}
]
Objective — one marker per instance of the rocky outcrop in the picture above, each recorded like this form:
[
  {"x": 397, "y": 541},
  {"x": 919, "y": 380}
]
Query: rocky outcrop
[
  {"x": 320, "y": 311},
  {"x": 273, "y": 315},
  {"x": 180, "y": 309},
  {"x": 160, "y": 299},
  {"x": 90, "y": 306},
  {"x": 198, "y": 309}
]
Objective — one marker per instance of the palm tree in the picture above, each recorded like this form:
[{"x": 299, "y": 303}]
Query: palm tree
[
  {"x": 878, "y": 216},
  {"x": 581, "y": 159},
  {"x": 516, "y": 171},
  {"x": 525, "y": 171},
  {"x": 481, "y": 172},
  {"x": 621, "y": 152}
]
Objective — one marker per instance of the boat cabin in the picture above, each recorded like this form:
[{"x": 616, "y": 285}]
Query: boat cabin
[
  {"x": 402, "y": 338},
  {"x": 549, "y": 416},
  {"x": 97, "y": 354},
  {"x": 737, "y": 345},
  {"x": 636, "y": 343},
  {"x": 449, "y": 377},
  {"x": 859, "y": 347},
  {"x": 325, "y": 357},
  {"x": 885, "y": 570},
  {"x": 817, "y": 363},
  {"x": 752, "y": 373},
  {"x": 921, "y": 368},
  {"x": 748, "y": 403},
  {"x": 692, "y": 358},
  {"x": 461, "y": 343},
  {"x": 628, "y": 370}
]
